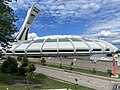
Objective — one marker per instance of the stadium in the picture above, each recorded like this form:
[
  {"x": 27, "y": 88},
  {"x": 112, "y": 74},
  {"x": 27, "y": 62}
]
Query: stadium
[{"x": 60, "y": 45}]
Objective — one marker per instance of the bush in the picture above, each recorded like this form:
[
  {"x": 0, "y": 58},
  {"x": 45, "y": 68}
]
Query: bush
[
  {"x": 43, "y": 61},
  {"x": 94, "y": 71},
  {"x": 9, "y": 65},
  {"x": 21, "y": 69},
  {"x": 109, "y": 72},
  {"x": 25, "y": 67},
  {"x": 71, "y": 65},
  {"x": 25, "y": 62},
  {"x": 19, "y": 58},
  {"x": 60, "y": 65},
  {"x": 29, "y": 72}
]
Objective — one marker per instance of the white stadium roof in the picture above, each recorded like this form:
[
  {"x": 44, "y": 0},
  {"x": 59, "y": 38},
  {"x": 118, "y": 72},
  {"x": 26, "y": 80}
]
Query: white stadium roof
[{"x": 55, "y": 45}]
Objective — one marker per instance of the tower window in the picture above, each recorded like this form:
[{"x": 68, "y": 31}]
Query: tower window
[{"x": 31, "y": 18}]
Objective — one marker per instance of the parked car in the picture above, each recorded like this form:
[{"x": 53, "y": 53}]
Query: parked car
[{"x": 116, "y": 87}]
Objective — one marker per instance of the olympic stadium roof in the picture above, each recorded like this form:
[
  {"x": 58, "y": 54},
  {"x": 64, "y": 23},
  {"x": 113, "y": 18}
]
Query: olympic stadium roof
[{"x": 57, "y": 45}]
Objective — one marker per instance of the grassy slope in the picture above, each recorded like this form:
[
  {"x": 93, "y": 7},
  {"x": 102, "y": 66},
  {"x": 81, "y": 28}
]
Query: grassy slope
[
  {"x": 40, "y": 82},
  {"x": 80, "y": 70}
]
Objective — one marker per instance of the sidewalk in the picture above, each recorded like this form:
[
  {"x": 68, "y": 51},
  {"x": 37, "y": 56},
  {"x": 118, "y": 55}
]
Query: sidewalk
[{"x": 91, "y": 81}]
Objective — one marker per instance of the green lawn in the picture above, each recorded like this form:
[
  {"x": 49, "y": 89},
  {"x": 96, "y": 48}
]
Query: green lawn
[
  {"x": 81, "y": 70},
  {"x": 16, "y": 82}
]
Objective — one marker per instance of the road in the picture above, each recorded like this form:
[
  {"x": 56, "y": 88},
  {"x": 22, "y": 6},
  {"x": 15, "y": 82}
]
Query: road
[{"x": 84, "y": 80}]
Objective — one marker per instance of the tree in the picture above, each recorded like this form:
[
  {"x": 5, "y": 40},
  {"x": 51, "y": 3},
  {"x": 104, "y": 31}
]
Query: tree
[
  {"x": 43, "y": 61},
  {"x": 71, "y": 64},
  {"x": 30, "y": 72},
  {"x": 7, "y": 18},
  {"x": 9, "y": 65},
  {"x": 26, "y": 67},
  {"x": 19, "y": 58},
  {"x": 24, "y": 64}
]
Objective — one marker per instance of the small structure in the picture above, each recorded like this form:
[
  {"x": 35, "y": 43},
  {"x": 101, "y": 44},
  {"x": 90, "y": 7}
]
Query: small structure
[{"x": 114, "y": 68}]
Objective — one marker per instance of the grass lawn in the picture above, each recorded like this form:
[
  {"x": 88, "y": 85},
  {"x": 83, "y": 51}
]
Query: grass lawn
[
  {"x": 80, "y": 57},
  {"x": 81, "y": 70},
  {"x": 16, "y": 82}
]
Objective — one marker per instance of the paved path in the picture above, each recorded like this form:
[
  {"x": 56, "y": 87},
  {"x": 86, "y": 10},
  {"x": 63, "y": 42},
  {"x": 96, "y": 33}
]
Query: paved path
[{"x": 84, "y": 80}]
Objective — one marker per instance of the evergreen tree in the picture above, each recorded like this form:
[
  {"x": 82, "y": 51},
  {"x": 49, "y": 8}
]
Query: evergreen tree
[{"x": 7, "y": 19}]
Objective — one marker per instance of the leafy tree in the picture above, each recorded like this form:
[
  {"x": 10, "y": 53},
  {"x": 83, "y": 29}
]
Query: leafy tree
[
  {"x": 26, "y": 67},
  {"x": 19, "y": 58},
  {"x": 94, "y": 71},
  {"x": 43, "y": 61},
  {"x": 109, "y": 72},
  {"x": 9, "y": 65},
  {"x": 25, "y": 61},
  {"x": 21, "y": 69},
  {"x": 7, "y": 19},
  {"x": 71, "y": 64}
]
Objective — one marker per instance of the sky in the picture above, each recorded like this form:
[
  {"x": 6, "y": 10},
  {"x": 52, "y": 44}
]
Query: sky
[{"x": 87, "y": 18}]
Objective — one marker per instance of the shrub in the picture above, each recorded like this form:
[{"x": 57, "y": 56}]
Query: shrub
[
  {"x": 31, "y": 67},
  {"x": 19, "y": 58},
  {"x": 94, "y": 71},
  {"x": 29, "y": 72},
  {"x": 60, "y": 65},
  {"x": 26, "y": 67},
  {"x": 71, "y": 65},
  {"x": 21, "y": 69},
  {"x": 109, "y": 72},
  {"x": 24, "y": 61},
  {"x": 43, "y": 61},
  {"x": 9, "y": 65}
]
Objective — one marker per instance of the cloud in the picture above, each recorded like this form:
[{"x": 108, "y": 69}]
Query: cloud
[
  {"x": 71, "y": 9},
  {"x": 74, "y": 10},
  {"x": 116, "y": 41},
  {"x": 104, "y": 33},
  {"x": 107, "y": 34},
  {"x": 22, "y": 4},
  {"x": 59, "y": 8},
  {"x": 108, "y": 17},
  {"x": 109, "y": 25},
  {"x": 32, "y": 35}
]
